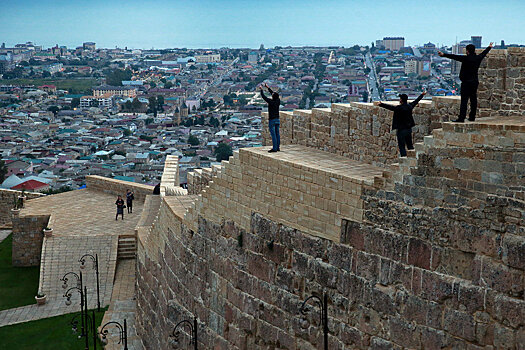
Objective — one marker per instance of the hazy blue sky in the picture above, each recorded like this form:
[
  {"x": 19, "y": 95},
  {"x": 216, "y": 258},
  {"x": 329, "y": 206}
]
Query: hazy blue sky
[{"x": 247, "y": 23}]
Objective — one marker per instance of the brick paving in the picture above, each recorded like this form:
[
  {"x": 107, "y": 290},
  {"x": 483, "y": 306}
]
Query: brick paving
[
  {"x": 83, "y": 221},
  {"x": 123, "y": 306},
  {"x": 4, "y": 234}
]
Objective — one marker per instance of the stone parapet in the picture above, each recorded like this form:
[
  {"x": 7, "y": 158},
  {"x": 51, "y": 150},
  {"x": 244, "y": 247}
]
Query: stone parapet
[
  {"x": 28, "y": 235},
  {"x": 117, "y": 187},
  {"x": 7, "y": 199},
  {"x": 170, "y": 183}
]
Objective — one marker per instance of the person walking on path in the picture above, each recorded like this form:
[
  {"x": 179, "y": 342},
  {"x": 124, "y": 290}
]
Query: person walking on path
[
  {"x": 120, "y": 207},
  {"x": 403, "y": 121},
  {"x": 130, "y": 196},
  {"x": 273, "y": 117},
  {"x": 469, "y": 79}
]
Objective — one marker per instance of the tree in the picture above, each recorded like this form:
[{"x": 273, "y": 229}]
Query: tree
[
  {"x": 128, "y": 106},
  {"x": 367, "y": 70},
  {"x": 3, "y": 171},
  {"x": 115, "y": 77},
  {"x": 168, "y": 85},
  {"x": 127, "y": 132},
  {"x": 46, "y": 74},
  {"x": 223, "y": 151},
  {"x": 153, "y": 105},
  {"x": 193, "y": 140},
  {"x": 136, "y": 105},
  {"x": 75, "y": 102},
  {"x": 378, "y": 69},
  {"x": 160, "y": 103},
  {"x": 148, "y": 121},
  {"x": 54, "y": 110},
  {"x": 365, "y": 96}
]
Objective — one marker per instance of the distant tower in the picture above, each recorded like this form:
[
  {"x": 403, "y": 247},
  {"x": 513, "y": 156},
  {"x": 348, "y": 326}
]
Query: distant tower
[
  {"x": 176, "y": 116},
  {"x": 502, "y": 44},
  {"x": 3, "y": 45},
  {"x": 331, "y": 59},
  {"x": 476, "y": 41},
  {"x": 261, "y": 48}
]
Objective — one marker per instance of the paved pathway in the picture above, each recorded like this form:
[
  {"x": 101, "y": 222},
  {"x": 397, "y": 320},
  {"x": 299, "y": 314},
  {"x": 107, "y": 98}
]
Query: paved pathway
[
  {"x": 123, "y": 306},
  {"x": 4, "y": 234},
  {"x": 83, "y": 221}
]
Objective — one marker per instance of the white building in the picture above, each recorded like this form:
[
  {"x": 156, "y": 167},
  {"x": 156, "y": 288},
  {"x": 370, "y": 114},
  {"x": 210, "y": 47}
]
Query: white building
[
  {"x": 212, "y": 58},
  {"x": 393, "y": 43}
]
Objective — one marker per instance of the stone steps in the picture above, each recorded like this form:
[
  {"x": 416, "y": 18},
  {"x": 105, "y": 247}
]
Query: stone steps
[{"x": 127, "y": 247}]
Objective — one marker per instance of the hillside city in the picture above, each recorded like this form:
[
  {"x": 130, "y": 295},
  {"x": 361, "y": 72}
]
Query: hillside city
[{"x": 70, "y": 112}]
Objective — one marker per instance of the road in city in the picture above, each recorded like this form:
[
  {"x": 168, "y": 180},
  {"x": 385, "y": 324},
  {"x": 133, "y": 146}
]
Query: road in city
[{"x": 373, "y": 92}]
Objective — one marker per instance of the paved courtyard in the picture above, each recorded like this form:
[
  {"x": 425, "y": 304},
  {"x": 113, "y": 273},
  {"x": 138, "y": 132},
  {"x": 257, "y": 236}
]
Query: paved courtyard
[{"x": 83, "y": 221}]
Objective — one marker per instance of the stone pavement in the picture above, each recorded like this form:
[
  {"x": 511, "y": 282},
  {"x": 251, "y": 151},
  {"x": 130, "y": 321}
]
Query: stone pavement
[
  {"x": 83, "y": 221},
  {"x": 4, "y": 234},
  {"x": 123, "y": 306}
]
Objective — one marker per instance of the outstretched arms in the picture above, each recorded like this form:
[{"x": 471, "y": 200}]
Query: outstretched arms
[
  {"x": 416, "y": 101},
  {"x": 263, "y": 95},
  {"x": 486, "y": 51},
  {"x": 459, "y": 58},
  {"x": 384, "y": 105}
]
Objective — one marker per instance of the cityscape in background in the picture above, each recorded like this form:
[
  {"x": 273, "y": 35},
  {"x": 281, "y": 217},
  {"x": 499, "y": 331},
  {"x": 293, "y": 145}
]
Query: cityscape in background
[{"x": 70, "y": 112}]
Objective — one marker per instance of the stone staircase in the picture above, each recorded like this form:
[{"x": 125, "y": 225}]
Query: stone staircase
[{"x": 127, "y": 247}]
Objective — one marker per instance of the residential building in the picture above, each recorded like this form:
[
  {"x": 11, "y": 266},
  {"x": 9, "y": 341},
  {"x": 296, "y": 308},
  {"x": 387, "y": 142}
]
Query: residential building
[
  {"x": 210, "y": 58},
  {"x": 91, "y": 46},
  {"x": 476, "y": 41},
  {"x": 393, "y": 43},
  {"x": 128, "y": 91}
]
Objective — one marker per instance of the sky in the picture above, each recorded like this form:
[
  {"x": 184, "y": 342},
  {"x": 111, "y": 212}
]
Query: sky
[{"x": 248, "y": 23}]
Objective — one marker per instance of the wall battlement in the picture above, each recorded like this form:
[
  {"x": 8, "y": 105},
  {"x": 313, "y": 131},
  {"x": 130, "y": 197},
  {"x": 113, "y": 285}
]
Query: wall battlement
[{"x": 426, "y": 252}]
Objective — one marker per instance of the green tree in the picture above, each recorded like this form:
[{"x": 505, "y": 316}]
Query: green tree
[
  {"x": 153, "y": 105},
  {"x": 3, "y": 171},
  {"x": 223, "y": 151},
  {"x": 168, "y": 85},
  {"x": 378, "y": 69},
  {"x": 54, "y": 110},
  {"x": 127, "y": 132},
  {"x": 136, "y": 105},
  {"x": 193, "y": 140},
  {"x": 160, "y": 103},
  {"x": 75, "y": 102},
  {"x": 46, "y": 74},
  {"x": 116, "y": 76},
  {"x": 367, "y": 70},
  {"x": 128, "y": 106}
]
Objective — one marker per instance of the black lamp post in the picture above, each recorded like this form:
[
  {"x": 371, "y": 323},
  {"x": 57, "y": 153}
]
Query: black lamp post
[
  {"x": 82, "y": 262},
  {"x": 83, "y": 309},
  {"x": 123, "y": 333},
  {"x": 79, "y": 288},
  {"x": 91, "y": 321},
  {"x": 192, "y": 328},
  {"x": 323, "y": 315}
]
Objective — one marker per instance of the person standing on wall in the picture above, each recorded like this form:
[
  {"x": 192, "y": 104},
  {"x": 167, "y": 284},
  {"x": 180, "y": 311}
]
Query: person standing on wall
[
  {"x": 120, "y": 207},
  {"x": 403, "y": 121},
  {"x": 273, "y": 116},
  {"x": 130, "y": 196},
  {"x": 469, "y": 79}
]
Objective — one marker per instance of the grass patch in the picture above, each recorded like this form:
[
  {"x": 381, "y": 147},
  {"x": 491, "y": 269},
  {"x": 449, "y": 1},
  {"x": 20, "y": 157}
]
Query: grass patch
[
  {"x": 52, "y": 333},
  {"x": 72, "y": 85},
  {"x": 18, "y": 285}
]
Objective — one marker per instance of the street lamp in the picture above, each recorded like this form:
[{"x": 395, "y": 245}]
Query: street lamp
[
  {"x": 65, "y": 279},
  {"x": 82, "y": 262},
  {"x": 91, "y": 321},
  {"x": 192, "y": 329},
  {"x": 83, "y": 310},
  {"x": 123, "y": 333},
  {"x": 323, "y": 315}
]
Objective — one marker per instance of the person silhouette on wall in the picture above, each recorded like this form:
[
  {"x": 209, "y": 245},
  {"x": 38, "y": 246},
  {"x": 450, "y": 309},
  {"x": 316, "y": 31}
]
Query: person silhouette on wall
[
  {"x": 273, "y": 117},
  {"x": 469, "y": 79},
  {"x": 130, "y": 196},
  {"x": 120, "y": 207},
  {"x": 403, "y": 121}
]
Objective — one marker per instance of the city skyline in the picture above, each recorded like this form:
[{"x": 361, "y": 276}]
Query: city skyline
[{"x": 214, "y": 24}]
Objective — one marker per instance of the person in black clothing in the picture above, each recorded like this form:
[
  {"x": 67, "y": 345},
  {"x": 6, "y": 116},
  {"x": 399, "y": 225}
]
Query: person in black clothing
[
  {"x": 120, "y": 207},
  {"x": 469, "y": 79},
  {"x": 403, "y": 121},
  {"x": 273, "y": 116},
  {"x": 156, "y": 189},
  {"x": 130, "y": 196}
]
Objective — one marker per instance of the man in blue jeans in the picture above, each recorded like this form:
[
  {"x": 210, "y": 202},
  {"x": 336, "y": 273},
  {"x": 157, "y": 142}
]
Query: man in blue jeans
[
  {"x": 403, "y": 121},
  {"x": 273, "y": 116}
]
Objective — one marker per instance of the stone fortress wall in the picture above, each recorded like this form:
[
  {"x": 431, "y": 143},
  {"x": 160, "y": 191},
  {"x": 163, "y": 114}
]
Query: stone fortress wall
[
  {"x": 424, "y": 253},
  {"x": 361, "y": 131},
  {"x": 7, "y": 198}
]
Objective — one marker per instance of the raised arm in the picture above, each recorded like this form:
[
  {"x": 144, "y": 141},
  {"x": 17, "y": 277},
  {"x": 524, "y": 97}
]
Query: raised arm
[
  {"x": 486, "y": 51},
  {"x": 264, "y": 97},
  {"x": 384, "y": 105},
  {"x": 460, "y": 58},
  {"x": 416, "y": 101}
]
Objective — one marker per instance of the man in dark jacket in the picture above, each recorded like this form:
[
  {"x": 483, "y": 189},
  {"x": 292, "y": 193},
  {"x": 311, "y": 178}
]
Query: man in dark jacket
[
  {"x": 403, "y": 121},
  {"x": 273, "y": 116},
  {"x": 469, "y": 79}
]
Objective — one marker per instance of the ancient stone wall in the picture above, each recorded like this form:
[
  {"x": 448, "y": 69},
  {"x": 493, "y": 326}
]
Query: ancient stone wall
[
  {"x": 502, "y": 83},
  {"x": 359, "y": 131},
  {"x": 27, "y": 239},
  {"x": 118, "y": 187},
  {"x": 7, "y": 198},
  {"x": 436, "y": 261}
]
